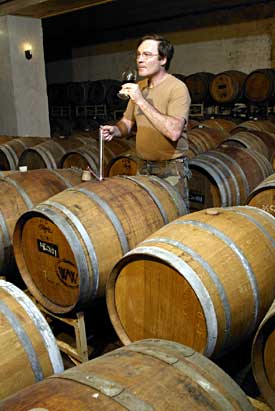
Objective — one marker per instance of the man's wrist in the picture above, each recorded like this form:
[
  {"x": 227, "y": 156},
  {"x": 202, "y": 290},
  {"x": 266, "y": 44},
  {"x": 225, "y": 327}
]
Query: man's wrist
[
  {"x": 141, "y": 102},
  {"x": 121, "y": 129},
  {"x": 117, "y": 131}
]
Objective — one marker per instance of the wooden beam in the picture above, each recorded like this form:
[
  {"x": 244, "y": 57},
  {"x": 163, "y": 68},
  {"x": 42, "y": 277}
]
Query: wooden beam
[
  {"x": 11, "y": 6},
  {"x": 45, "y": 8}
]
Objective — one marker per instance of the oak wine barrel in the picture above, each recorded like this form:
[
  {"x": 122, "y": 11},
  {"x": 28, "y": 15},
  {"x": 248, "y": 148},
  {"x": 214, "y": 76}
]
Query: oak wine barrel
[
  {"x": 201, "y": 139},
  {"x": 148, "y": 375},
  {"x": 267, "y": 137},
  {"x": 28, "y": 348},
  {"x": 49, "y": 154},
  {"x": 251, "y": 141},
  {"x": 11, "y": 151},
  {"x": 58, "y": 94},
  {"x": 261, "y": 125},
  {"x": 87, "y": 134},
  {"x": 112, "y": 99},
  {"x": 77, "y": 92},
  {"x": 80, "y": 138},
  {"x": 62, "y": 126},
  {"x": 219, "y": 123},
  {"x": 86, "y": 124},
  {"x": 263, "y": 356},
  {"x": 259, "y": 405},
  {"x": 192, "y": 123},
  {"x": 76, "y": 237},
  {"x": 227, "y": 87},
  {"x": 98, "y": 90},
  {"x": 88, "y": 154},
  {"x": 4, "y": 139},
  {"x": 225, "y": 176},
  {"x": 200, "y": 280},
  {"x": 263, "y": 195},
  {"x": 259, "y": 86},
  {"x": 127, "y": 164},
  {"x": 198, "y": 86},
  {"x": 19, "y": 192}
]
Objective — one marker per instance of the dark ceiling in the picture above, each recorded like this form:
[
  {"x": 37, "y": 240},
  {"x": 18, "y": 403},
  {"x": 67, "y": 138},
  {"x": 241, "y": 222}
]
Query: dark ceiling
[{"x": 126, "y": 19}]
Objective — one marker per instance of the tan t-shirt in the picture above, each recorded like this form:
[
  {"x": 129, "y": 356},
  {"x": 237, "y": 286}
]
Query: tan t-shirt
[{"x": 170, "y": 97}]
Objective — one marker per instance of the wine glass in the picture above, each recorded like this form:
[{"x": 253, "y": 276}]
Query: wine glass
[{"x": 128, "y": 76}]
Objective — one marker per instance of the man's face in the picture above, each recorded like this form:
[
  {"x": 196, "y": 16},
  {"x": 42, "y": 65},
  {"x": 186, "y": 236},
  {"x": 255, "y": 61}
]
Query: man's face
[{"x": 148, "y": 60}]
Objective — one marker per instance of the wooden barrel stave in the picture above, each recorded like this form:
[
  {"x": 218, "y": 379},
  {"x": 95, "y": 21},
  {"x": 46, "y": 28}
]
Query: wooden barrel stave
[
  {"x": 77, "y": 92},
  {"x": 98, "y": 90},
  {"x": 202, "y": 139},
  {"x": 259, "y": 405},
  {"x": 28, "y": 348},
  {"x": 48, "y": 154},
  {"x": 250, "y": 141},
  {"x": 90, "y": 228},
  {"x": 188, "y": 381},
  {"x": 192, "y": 123},
  {"x": 198, "y": 86},
  {"x": 195, "y": 250},
  {"x": 261, "y": 125},
  {"x": 4, "y": 139},
  {"x": 11, "y": 151},
  {"x": 225, "y": 176},
  {"x": 20, "y": 192},
  {"x": 259, "y": 86},
  {"x": 263, "y": 364},
  {"x": 87, "y": 156},
  {"x": 227, "y": 87},
  {"x": 82, "y": 157},
  {"x": 263, "y": 195},
  {"x": 267, "y": 137},
  {"x": 124, "y": 164},
  {"x": 219, "y": 123}
]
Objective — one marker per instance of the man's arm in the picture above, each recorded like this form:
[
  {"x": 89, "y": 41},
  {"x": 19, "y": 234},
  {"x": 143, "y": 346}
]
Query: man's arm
[
  {"x": 170, "y": 126},
  {"x": 121, "y": 129}
]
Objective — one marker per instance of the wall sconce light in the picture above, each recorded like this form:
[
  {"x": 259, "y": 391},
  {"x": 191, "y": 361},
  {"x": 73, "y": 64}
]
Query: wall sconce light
[
  {"x": 28, "y": 54},
  {"x": 27, "y": 47}
]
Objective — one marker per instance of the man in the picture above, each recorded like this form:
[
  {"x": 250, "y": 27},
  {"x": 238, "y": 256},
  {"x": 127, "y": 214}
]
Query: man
[{"x": 159, "y": 106}]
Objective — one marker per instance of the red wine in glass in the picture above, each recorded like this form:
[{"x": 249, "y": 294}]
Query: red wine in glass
[{"x": 128, "y": 76}]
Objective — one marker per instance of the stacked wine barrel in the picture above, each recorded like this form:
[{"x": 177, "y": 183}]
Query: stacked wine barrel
[
  {"x": 162, "y": 269},
  {"x": 76, "y": 237},
  {"x": 198, "y": 85},
  {"x": 11, "y": 150},
  {"x": 232, "y": 86},
  {"x": 263, "y": 195},
  {"x": 81, "y": 93},
  {"x": 88, "y": 155},
  {"x": 19, "y": 192},
  {"x": 28, "y": 349},
  {"x": 180, "y": 288},
  {"x": 225, "y": 176},
  {"x": 146, "y": 375},
  {"x": 263, "y": 356},
  {"x": 199, "y": 270},
  {"x": 259, "y": 87},
  {"x": 223, "y": 88},
  {"x": 204, "y": 138}
]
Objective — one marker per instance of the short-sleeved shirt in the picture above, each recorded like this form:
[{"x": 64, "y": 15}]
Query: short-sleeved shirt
[{"x": 170, "y": 97}]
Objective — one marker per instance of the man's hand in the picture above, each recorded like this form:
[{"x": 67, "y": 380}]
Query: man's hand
[
  {"x": 108, "y": 132},
  {"x": 133, "y": 91}
]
